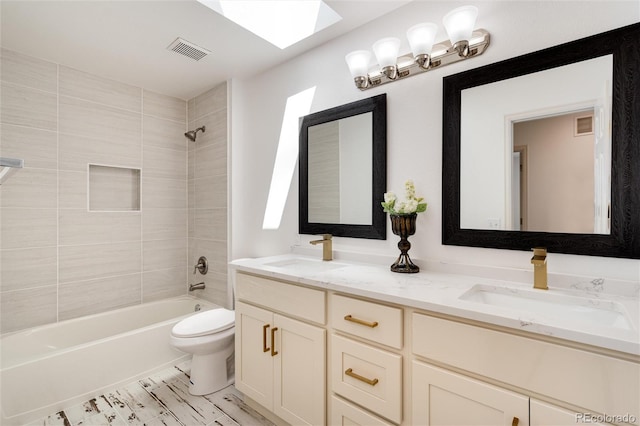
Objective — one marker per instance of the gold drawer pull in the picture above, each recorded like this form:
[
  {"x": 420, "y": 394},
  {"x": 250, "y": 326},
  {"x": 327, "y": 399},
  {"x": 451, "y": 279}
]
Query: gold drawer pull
[
  {"x": 515, "y": 421},
  {"x": 273, "y": 342},
  {"x": 349, "y": 372},
  {"x": 361, "y": 322},
  {"x": 264, "y": 338}
]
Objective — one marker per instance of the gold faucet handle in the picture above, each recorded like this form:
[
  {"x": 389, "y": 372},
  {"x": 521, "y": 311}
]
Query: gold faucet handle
[
  {"x": 326, "y": 236},
  {"x": 539, "y": 251},
  {"x": 539, "y": 256}
]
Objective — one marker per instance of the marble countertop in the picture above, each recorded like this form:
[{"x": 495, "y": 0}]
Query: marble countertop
[{"x": 599, "y": 319}]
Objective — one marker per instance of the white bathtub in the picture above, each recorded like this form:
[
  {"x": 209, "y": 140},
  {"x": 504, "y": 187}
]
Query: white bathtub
[{"x": 46, "y": 368}]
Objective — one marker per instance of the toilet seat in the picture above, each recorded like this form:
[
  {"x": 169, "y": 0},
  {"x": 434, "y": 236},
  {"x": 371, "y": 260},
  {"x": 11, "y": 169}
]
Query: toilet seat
[{"x": 204, "y": 323}]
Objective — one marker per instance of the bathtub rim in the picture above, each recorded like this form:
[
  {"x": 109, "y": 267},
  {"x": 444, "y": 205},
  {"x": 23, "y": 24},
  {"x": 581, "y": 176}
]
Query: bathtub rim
[{"x": 205, "y": 305}]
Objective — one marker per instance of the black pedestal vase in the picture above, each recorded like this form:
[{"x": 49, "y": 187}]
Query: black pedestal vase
[{"x": 404, "y": 225}]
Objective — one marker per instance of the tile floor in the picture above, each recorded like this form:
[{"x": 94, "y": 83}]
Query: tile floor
[{"x": 160, "y": 399}]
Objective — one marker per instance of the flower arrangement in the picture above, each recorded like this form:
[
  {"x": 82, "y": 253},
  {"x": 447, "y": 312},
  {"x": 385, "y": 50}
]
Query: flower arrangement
[{"x": 411, "y": 205}]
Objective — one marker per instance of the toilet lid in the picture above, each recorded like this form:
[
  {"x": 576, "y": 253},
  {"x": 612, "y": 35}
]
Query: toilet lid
[{"x": 203, "y": 323}]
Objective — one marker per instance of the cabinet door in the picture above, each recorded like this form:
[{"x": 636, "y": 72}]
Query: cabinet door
[
  {"x": 299, "y": 372},
  {"x": 441, "y": 397},
  {"x": 543, "y": 414},
  {"x": 254, "y": 365}
]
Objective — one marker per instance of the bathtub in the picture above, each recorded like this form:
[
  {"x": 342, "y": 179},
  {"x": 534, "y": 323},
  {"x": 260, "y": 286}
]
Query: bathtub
[{"x": 47, "y": 368}]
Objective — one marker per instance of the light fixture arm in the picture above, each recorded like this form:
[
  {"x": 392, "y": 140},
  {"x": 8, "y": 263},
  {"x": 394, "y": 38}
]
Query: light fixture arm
[
  {"x": 361, "y": 82},
  {"x": 391, "y": 72},
  {"x": 462, "y": 47},
  {"x": 423, "y": 61},
  {"x": 443, "y": 53}
]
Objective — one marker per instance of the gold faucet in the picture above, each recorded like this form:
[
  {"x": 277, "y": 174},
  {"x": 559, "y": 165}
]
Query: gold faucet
[
  {"x": 327, "y": 252},
  {"x": 539, "y": 262}
]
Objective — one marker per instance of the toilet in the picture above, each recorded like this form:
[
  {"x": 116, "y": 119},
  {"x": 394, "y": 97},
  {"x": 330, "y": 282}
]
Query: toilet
[{"x": 209, "y": 336}]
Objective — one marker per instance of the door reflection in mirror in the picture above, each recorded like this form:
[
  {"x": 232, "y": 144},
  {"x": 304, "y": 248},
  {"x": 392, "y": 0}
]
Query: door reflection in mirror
[
  {"x": 564, "y": 184},
  {"x": 554, "y": 165}
]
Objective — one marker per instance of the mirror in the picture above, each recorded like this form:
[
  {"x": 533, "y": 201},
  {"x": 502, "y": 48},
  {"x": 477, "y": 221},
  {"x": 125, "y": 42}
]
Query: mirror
[
  {"x": 578, "y": 193},
  {"x": 343, "y": 170},
  {"x": 536, "y": 129}
]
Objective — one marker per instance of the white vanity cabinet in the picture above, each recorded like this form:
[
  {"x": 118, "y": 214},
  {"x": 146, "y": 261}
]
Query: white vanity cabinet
[
  {"x": 316, "y": 352},
  {"x": 280, "y": 361},
  {"x": 346, "y": 414},
  {"x": 360, "y": 370},
  {"x": 574, "y": 377},
  {"x": 441, "y": 397},
  {"x": 544, "y": 414}
]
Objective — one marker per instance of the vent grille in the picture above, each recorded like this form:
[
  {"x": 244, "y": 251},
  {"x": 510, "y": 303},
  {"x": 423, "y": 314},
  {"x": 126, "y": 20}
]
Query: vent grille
[
  {"x": 584, "y": 125},
  {"x": 188, "y": 49}
]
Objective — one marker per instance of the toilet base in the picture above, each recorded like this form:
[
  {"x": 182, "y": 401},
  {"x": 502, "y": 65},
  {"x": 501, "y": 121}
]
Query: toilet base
[{"x": 210, "y": 373}]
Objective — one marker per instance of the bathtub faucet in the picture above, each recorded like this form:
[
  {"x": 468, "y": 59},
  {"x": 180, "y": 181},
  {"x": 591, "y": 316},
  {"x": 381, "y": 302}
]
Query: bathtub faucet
[{"x": 199, "y": 286}]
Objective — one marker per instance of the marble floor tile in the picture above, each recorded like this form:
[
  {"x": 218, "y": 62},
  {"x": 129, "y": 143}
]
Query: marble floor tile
[{"x": 160, "y": 399}]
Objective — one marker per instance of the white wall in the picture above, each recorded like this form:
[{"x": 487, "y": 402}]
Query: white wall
[{"x": 414, "y": 123}]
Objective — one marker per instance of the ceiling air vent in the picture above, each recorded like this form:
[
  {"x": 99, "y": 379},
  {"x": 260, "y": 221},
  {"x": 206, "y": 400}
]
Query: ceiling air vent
[{"x": 188, "y": 49}]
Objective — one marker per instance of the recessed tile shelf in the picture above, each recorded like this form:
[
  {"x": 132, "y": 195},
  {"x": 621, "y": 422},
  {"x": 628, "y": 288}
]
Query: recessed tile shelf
[{"x": 113, "y": 188}]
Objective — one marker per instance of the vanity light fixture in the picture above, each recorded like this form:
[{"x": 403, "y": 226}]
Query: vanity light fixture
[
  {"x": 386, "y": 51},
  {"x": 463, "y": 43},
  {"x": 421, "y": 38},
  {"x": 459, "y": 25},
  {"x": 358, "y": 62}
]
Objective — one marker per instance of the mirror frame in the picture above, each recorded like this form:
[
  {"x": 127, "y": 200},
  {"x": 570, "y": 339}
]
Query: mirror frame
[
  {"x": 377, "y": 105},
  {"x": 624, "y": 238}
]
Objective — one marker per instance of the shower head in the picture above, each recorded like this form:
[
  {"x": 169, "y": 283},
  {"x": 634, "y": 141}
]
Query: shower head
[{"x": 191, "y": 134}]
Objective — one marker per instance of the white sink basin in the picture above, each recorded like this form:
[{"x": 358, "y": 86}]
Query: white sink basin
[
  {"x": 584, "y": 310},
  {"x": 306, "y": 265}
]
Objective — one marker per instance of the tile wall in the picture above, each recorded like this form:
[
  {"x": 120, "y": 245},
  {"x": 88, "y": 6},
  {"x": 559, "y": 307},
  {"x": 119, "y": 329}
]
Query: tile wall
[
  {"x": 207, "y": 178},
  {"x": 58, "y": 259}
]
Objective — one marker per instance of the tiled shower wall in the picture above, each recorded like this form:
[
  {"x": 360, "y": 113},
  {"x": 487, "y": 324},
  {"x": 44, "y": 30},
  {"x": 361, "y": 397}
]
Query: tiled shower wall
[
  {"x": 58, "y": 259},
  {"x": 207, "y": 178}
]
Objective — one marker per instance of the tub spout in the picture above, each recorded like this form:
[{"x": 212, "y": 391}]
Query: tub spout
[{"x": 199, "y": 286}]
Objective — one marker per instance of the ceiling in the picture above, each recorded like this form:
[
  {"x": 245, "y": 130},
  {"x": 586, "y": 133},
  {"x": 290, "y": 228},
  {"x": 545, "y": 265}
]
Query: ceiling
[{"x": 127, "y": 40}]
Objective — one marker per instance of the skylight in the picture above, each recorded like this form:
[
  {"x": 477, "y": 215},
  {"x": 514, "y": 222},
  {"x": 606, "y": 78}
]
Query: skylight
[{"x": 280, "y": 22}]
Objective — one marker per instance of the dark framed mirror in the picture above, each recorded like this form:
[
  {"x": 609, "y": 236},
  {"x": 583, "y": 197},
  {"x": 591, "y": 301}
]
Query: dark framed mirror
[
  {"x": 343, "y": 170},
  {"x": 488, "y": 201}
]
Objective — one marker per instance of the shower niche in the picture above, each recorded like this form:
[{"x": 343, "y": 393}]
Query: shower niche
[{"x": 113, "y": 188}]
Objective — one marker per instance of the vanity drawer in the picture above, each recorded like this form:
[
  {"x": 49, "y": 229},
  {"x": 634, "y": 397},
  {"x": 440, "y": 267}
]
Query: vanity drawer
[
  {"x": 344, "y": 413},
  {"x": 294, "y": 300},
  {"x": 372, "y": 321},
  {"x": 368, "y": 376}
]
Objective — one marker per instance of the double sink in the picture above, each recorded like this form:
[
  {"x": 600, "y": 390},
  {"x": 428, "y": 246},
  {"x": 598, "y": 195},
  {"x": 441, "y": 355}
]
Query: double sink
[{"x": 593, "y": 311}]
